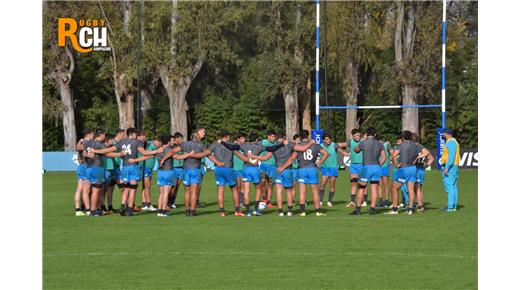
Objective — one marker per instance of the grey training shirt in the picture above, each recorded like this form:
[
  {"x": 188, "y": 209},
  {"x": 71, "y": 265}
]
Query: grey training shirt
[
  {"x": 408, "y": 151},
  {"x": 168, "y": 163},
  {"x": 197, "y": 147},
  {"x": 253, "y": 148},
  {"x": 130, "y": 146},
  {"x": 371, "y": 149},
  {"x": 222, "y": 154},
  {"x": 309, "y": 156},
  {"x": 98, "y": 158},
  {"x": 283, "y": 154}
]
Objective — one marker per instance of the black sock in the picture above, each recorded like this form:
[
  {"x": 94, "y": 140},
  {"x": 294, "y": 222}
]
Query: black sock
[
  {"x": 222, "y": 209},
  {"x": 103, "y": 208},
  {"x": 82, "y": 206},
  {"x": 289, "y": 208},
  {"x": 280, "y": 210},
  {"x": 365, "y": 197},
  {"x": 247, "y": 207},
  {"x": 256, "y": 205},
  {"x": 321, "y": 194},
  {"x": 110, "y": 207},
  {"x": 302, "y": 207},
  {"x": 87, "y": 209},
  {"x": 318, "y": 210},
  {"x": 358, "y": 208},
  {"x": 353, "y": 198},
  {"x": 78, "y": 209},
  {"x": 237, "y": 209},
  {"x": 331, "y": 196}
]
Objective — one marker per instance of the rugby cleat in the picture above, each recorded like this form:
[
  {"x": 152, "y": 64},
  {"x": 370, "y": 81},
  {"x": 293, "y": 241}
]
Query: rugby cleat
[
  {"x": 303, "y": 214},
  {"x": 281, "y": 214},
  {"x": 80, "y": 213},
  {"x": 409, "y": 212},
  {"x": 329, "y": 204},
  {"x": 248, "y": 214},
  {"x": 137, "y": 209},
  {"x": 239, "y": 213},
  {"x": 364, "y": 204},
  {"x": 420, "y": 209},
  {"x": 320, "y": 214},
  {"x": 372, "y": 211},
  {"x": 257, "y": 213},
  {"x": 355, "y": 212},
  {"x": 401, "y": 205},
  {"x": 222, "y": 214},
  {"x": 392, "y": 212},
  {"x": 289, "y": 213},
  {"x": 351, "y": 204}
]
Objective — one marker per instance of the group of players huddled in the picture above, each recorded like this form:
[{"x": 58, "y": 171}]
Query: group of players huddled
[{"x": 128, "y": 157}]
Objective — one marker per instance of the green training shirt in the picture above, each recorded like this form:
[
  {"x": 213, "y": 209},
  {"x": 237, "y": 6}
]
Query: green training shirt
[
  {"x": 150, "y": 163},
  {"x": 238, "y": 164},
  {"x": 332, "y": 160},
  {"x": 271, "y": 160},
  {"x": 355, "y": 158},
  {"x": 108, "y": 163},
  {"x": 387, "y": 152}
]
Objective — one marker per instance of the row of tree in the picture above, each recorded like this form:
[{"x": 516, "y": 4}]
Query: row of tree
[{"x": 249, "y": 66}]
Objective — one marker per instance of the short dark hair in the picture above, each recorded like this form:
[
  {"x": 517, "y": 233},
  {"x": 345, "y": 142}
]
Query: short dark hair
[
  {"x": 253, "y": 137},
  {"x": 158, "y": 138},
  {"x": 119, "y": 131},
  {"x": 379, "y": 137},
  {"x": 130, "y": 131},
  {"x": 87, "y": 131},
  {"x": 224, "y": 133},
  {"x": 407, "y": 135},
  {"x": 166, "y": 139},
  {"x": 296, "y": 136},
  {"x": 326, "y": 135},
  {"x": 304, "y": 134},
  {"x": 109, "y": 136},
  {"x": 354, "y": 131},
  {"x": 140, "y": 133},
  {"x": 99, "y": 132},
  {"x": 270, "y": 132},
  {"x": 281, "y": 134},
  {"x": 371, "y": 131},
  {"x": 177, "y": 135},
  {"x": 240, "y": 135}
]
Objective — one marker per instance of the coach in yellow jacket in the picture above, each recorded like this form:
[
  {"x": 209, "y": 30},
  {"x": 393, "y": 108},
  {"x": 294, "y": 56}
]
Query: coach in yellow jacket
[{"x": 450, "y": 173}]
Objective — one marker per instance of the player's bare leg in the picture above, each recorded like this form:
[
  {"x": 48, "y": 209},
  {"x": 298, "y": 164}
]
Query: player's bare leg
[
  {"x": 236, "y": 198},
  {"x": 77, "y": 194},
  {"x": 290, "y": 200},
  {"x": 187, "y": 198},
  {"x": 323, "y": 185},
  {"x": 86, "y": 195},
  {"x": 332, "y": 189},
  {"x": 246, "y": 188},
  {"x": 419, "y": 193},
  {"x": 279, "y": 196},
  {"x": 220, "y": 198},
  {"x": 353, "y": 190},
  {"x": 145, "y": 194},
  {"x": 303, "y": 196},
  {"x": 316, "y": 197},
  {"x": 195, "y": 188},
  {"x": 411, "y": 195},
  {"x": 132, "y": 188}
]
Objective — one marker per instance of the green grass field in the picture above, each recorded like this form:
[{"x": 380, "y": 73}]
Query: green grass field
[{"x": 430, "y": 250}]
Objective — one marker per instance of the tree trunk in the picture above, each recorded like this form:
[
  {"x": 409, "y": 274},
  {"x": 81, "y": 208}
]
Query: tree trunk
[
  {"x": 125, "y": 101},
  {"x": 404, "y": 50},
  {"x": 67, "y": 98},
  {"x": 306, "y": 100},
  {"x": 410, "y": 117},
  {"x": 63, "y": 76},
  {"x": 292, "y": 125},
  {"x": 176, "y": 91},
  {"x": 351, "y": 89}
]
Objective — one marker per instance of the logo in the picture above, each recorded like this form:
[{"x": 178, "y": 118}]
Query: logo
[{"x": 84, "y": 35}]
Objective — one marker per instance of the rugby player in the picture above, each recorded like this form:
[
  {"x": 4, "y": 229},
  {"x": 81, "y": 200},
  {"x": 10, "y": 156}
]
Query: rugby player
[
  {"x": 268, "y": 170},
  {"x": 176, "y": 140},
  {"x": 373, "y": 157},
  {"x": 296, "y": 139},
  {"x": 113, "y": 177},
  {"x": 238, "y": 165},
  {"x": 406, "y": 171},
  {"x": 384, "y": 188},
  {"x": 130, "y": 172},
  {"x": 191, "y": 168},
  {"x": 329, "y": 169},
  {"x": 147, "y": 173},
  {"x": 81, "y": 174},
  {"x": 308, "y": 171},
  {"x": 356, "y": 164},
  {"x": 251, "y": 171},
  {"x": 93, "y": 153},
  {"x": 224, "y": 172},
  {"x": 423, "y": 160},
  {"x": 284, "y": 176}
]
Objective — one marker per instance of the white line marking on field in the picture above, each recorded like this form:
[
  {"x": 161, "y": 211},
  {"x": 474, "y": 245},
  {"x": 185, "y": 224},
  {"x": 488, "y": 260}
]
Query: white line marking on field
[{"x": 261, "y": 253}]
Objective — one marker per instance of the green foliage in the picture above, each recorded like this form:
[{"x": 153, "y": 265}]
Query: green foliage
[{"x": 249, "y": 59}]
